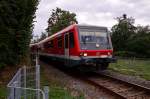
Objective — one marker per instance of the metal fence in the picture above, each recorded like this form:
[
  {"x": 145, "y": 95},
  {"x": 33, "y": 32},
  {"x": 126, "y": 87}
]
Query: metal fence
[{"x": 26, "y": 84}]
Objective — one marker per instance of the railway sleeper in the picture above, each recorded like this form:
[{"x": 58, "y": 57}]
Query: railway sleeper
[{"x": 136, "y": 94}]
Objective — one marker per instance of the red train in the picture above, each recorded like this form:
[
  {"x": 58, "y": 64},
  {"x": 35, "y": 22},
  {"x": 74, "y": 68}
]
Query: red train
[{"x": 78, "y": 45}]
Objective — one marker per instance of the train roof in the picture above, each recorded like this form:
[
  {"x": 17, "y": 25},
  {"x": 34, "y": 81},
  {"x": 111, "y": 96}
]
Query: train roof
[
  {"x": 71, "y": 27},
  {"x": 91, "y": 26},
  {"x": 33, "y": 44},
  {"x": 64, "y": 30}
]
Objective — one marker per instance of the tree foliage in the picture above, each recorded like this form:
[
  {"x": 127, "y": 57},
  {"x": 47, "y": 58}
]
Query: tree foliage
[
  {"x": 60, "y": 19},
  {"x": 16, "y": 23},
  {"x": 42, "y": 37},
  {"x": 129, "y": 40},
  {"x": 140, "y": 42},
  {"x": 122, "y": 31}
]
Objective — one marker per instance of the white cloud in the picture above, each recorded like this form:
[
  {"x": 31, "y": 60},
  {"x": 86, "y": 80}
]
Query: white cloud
[{"x": 94, "y": 12}]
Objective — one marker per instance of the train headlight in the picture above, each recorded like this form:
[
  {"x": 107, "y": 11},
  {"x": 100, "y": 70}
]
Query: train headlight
[
  {"x": 85, "y": 54},
  {"x": 97, "y": 45},
  {"x": 109, "y": 53}
]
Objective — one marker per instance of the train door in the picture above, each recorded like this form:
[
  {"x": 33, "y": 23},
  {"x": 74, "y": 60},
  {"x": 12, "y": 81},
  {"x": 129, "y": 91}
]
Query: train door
[{"x": 66, "y": 48}]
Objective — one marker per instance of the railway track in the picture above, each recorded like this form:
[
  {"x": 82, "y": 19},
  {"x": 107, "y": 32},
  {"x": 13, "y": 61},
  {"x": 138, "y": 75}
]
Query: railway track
[{"x": 117, "y": 87}]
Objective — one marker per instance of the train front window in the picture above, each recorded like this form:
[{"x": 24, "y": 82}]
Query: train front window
[
  {"x": 87, "y": 37},
  {"x": 94, "y": 40}
]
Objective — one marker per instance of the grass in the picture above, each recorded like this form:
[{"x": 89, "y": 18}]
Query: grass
[
  {"x": 3, "y": 92},
  {"x": 132, "y": 67},
  {"x": 61, "y": 93}
]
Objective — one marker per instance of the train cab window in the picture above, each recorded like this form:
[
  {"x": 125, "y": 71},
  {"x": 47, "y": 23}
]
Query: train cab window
[
  {"x": 60, "y": 42},
  {"x": 71, "y": 40}
]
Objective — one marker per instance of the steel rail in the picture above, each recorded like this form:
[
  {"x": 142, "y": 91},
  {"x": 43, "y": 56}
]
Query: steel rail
[
  {"x": 103, "y": 88},
  {"x": 145, "y": 90},
  {"x": 117, "y": 94},
  {"x": 124, "y": 81}
]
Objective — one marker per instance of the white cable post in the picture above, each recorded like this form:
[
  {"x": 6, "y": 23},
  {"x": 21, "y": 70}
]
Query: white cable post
[
  {"x": 37, "y": 58},
  {"x": 37, "y": 76}
]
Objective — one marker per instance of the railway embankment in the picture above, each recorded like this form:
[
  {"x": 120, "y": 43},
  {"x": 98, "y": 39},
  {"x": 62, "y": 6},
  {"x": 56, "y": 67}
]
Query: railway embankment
[{"x": 77, "y": 88}]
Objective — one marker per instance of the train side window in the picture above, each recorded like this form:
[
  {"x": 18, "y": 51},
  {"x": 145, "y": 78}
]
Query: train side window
[
  {"x": 71, "y": 40},
  {"x": 45, "y": 45},
  {"x": 49, "y": 44},
  {"x": 60, "y": 42},
  {"x": 66, "y": 41}
]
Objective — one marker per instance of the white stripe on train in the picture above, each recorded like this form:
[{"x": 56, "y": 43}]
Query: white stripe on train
[{"x": 74, "y": 57}]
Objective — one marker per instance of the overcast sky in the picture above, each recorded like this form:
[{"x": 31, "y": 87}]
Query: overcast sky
[{"x": 94, "y": 12}]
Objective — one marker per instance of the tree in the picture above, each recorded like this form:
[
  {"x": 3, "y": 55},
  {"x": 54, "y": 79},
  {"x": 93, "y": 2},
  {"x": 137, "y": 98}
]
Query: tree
[
  {"x": 140, "y": 42},
  {"x": 129, "y": 40},
  {"x": 43, "y": 36},
  {"x": 60, "y": 19},
  {"x": 16, "y": 24},
  {"x": 122, "y": 31}
]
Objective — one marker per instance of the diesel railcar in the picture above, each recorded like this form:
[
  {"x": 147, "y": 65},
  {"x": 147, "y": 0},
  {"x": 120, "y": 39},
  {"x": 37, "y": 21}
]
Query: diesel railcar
[{"x": 78, "y": 45}]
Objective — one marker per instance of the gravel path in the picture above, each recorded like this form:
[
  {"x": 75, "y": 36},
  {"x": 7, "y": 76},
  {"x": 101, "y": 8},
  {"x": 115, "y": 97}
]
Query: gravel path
[{"x": 75, "y": 86}]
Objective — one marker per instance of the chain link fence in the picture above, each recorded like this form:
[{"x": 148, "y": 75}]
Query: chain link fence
[
  {"x": 132, "y": 61},
  {"x": 26, "y": 84}
]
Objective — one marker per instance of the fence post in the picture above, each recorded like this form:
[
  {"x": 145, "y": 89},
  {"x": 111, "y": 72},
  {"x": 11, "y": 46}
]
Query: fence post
[
  {"x": 16, "y": 90},
  {"x": 38, "y": 80},
  {"x": 25, "y": 85},
  {"x": 46, "y": 91},
  {"x": 9, "y": 92},
  {"x": 19, "y": 85},
  {"x": 12, "y": 93}
]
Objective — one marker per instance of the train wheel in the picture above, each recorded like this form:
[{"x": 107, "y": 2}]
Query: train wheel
[{"x": 102, "y": 66}]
